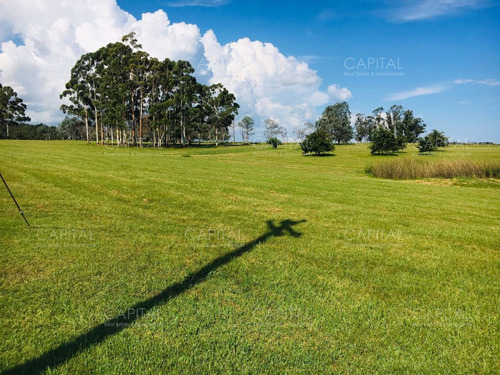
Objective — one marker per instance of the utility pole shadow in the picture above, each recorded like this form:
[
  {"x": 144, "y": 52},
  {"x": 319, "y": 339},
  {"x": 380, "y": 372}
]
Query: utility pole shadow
[{"x": 96, "y": 335}]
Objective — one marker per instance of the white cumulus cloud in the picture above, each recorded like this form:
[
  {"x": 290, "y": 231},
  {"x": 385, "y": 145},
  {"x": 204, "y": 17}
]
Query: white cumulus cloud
[
  {"x": 267, "y": 83},
  {"x": 340, "y": 93},
  {"x": 41, "y": 41},
  {"x": 160, "y": 38}
]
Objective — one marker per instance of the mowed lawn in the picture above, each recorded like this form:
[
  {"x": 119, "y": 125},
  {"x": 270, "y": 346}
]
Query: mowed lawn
[{"x": 244, "y": 260}]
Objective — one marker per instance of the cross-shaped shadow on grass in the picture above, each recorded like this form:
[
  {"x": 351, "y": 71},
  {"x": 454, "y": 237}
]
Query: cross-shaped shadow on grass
[{"x": 65, "y": 352}]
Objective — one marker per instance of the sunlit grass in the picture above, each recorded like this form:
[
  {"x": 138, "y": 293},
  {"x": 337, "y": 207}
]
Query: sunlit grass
[{"x": 388, "y": 276}]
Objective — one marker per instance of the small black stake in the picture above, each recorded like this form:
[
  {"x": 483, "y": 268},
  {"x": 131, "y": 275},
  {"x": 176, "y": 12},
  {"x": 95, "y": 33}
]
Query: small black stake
[{"x": 14, "y": 199}]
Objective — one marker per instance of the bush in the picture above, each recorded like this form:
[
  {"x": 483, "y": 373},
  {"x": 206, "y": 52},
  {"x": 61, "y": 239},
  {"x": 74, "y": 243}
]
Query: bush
[
  {"x": 438, "y": 139},
  {"x": 432, "y": 142},
  {"x": 411, "y": 168},
  {"x": 274, "y": 141},
  {"x": 401, "y": 142},
  {"x": 317, "y": 143},
  {"x": 425, "y": 145},
  {"x": 384, "y": 142}
]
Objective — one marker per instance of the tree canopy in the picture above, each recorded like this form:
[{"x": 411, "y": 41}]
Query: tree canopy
[
  {"x": 129, "y": 97},
  {"x": 273, "y": 129},
  {"x": 12, "y": 110},
  {"x": 402, "y": 123},
  {"x": 336, "y": 121},
  {"x": 246, "y": 126},
  {"x": 72, "y": 128},
  {"x": 431, "y": 142},
  {"x": 317, "y": 142},
  {"x": 384, "y": 142},
  {"x": 438, "y": 139}
]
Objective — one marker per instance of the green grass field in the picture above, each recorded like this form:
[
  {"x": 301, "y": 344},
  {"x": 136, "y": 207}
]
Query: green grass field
[{"x": 244, "y": 260}]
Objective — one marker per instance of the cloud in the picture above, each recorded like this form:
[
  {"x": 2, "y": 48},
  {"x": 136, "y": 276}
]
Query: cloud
[
  {"x": 198, "y": 3},
  {"x": 160, "y": 38},
  {"x": 489, "y": 82},
  {"x": 326, "y": 15},
  {"x": 50, "y": 37},
  {"x": 53, "y": 36},
  {"x": 419, "y": 91},
  {"x": 340, "y": 93},
  {"x": 267, "y": 83},
  {"x": 438, "y": 88},
  {"x": 417, "y": 10}
]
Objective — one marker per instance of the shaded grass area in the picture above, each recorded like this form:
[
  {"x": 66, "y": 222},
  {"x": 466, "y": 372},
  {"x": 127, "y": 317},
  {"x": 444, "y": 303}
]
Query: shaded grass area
[
  {"x": 413, "y": 168},
  {"x": 387, "y": 277}
]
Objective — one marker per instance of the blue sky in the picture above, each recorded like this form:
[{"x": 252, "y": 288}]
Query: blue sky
[
  {"x": 285, "y": 60},
  {"x": 436, "y": 47}
]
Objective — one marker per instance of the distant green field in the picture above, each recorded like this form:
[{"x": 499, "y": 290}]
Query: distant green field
[{"x": 244, "y": 260}]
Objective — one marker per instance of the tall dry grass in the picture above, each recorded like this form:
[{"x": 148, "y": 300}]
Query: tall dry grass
[{"x": 412, "y": 168}]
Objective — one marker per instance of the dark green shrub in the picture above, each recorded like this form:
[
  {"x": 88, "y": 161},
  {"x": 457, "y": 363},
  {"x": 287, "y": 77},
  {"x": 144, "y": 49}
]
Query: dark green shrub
[
  {"x": 384, "y": 142},
  {"x": 426, "y": 145},
  {"x": 274, "y": 141},
  {"x": 317, "y": 143},
  {"x": 438, "y": 139}
]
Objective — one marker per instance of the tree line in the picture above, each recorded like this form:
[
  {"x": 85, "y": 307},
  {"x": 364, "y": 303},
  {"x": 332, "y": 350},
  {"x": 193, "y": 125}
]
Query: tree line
[
  {"x": 387, "y": 131},
  {"x": 400, "y": 122},
  {"x": 25, "y": 131},
  {"x": 126, "y": 97},
  {"x": 336, "y": 121}
]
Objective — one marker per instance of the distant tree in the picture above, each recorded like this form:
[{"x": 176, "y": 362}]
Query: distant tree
[
  {"x": 246, "y": 126},
  {"x": 274, "y": 142},
  {"x": 12, "y": 109},
  {"x": 38, "y": 131},
  {"x": 233, "y": 129},
  {"x": 438, "y": 138},
  {"x": 301, "y": 133},
  {"x": 384, "y": 142},
  {"x": 273, "y": 129},
  {"x": 425, "y": 145},
  {"x": 431, "y": 142},
  {"x": 83, "y": 91},
  {"x": 405, "y": 127},
  {"x": 369, "y": 125},
  {"x": 283, "y": 132},
  {"x": 223, "y": 109},
  {"x": 336, "y": 121},
  {"x": 317, "y": 143},
  {"x": 139, "y": 86},
  {"x": 72, "y": 128},
  {"x": 378, "y": 117},
  {"x": 412, "y": 126},
  {"x": 363, "y": 127},
  {"x": 183, "y": 96},
  {"x": 395, "y": 124},
  {"x": 394, "y": 120},
  {"x": 125, "y": 93}
]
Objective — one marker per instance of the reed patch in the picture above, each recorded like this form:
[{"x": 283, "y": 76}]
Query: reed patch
[{"x": 413, "y": 168}]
